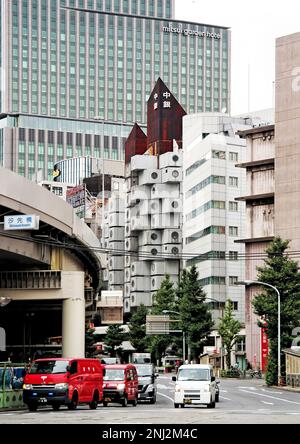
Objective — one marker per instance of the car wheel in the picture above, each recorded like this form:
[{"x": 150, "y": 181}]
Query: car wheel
[
  {"x": 56, "y": 406},
  {"x": 182, "y": 406},
  {"x": 135, "y": 402},
  {"x": 32, "y": 406},
  {"x": 124, "y": 402},
  {"x": 153, "y": 400},
  {"x": 105, "y": 403},
  {"x": 74, "y": 403},
  {"x": 176, "y": 406},
  {"x": 217, "y": 398},
  {"x": 94, "y": 404},
  {"x": 212, "y": 405}
]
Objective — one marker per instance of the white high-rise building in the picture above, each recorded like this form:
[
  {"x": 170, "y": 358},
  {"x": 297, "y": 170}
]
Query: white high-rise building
[{"x": 212, "y": 218}]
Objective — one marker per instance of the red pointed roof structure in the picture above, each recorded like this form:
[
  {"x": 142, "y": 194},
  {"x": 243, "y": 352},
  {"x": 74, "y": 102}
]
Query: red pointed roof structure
[
  {"x": 136, "y": 144},
  {"x": 165, "y": 116}
]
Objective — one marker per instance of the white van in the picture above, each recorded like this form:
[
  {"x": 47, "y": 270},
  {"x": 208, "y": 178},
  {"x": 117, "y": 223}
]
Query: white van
[{"x": 195, "y": 385}]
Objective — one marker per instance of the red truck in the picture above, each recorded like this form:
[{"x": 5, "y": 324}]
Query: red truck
[{"x": 68, "y": 382}]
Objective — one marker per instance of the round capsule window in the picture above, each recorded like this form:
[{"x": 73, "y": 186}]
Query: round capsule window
[
  {"x": 175, "y": 174},
  {"x": 154, "y": 176},
  {"x": 154, "y": 236},
  {"x": 175, "y": 158},
  {"x": 154, "y": 252}
]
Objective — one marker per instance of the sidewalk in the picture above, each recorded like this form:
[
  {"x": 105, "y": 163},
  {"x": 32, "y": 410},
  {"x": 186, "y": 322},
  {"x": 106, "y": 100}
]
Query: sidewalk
[{"x": 285, "y": 389}]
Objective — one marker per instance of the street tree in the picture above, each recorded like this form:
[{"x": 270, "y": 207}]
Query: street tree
[
  {"x": 90, "y": 341},
  {"x": 283, "y": 273},
  {"x": 113, "y": 339},
  {"x": 229, "y": 330},
  {"x": 196, "y": 319},
  {"x": 164, "y": 299},
  {"x": 137, "y": 330}
]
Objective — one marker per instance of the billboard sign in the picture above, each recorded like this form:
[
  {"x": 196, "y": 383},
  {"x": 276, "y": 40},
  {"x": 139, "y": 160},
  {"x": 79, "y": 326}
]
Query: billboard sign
[{"x": 76, "y": 197}]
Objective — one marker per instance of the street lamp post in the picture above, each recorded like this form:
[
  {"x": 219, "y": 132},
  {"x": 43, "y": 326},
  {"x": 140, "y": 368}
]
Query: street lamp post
[
  {"x": 248, "y": 284},
  {"x": 183, "y": 333}
]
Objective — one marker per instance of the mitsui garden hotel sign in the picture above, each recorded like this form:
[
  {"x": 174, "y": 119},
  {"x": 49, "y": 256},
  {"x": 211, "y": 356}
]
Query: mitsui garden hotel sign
[{"x": 179, "y": 29}]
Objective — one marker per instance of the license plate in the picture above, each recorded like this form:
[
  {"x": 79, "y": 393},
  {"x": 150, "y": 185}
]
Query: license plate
[
  {"x": 43, "y": 400},
  {"x": 188, "y": 401},
  {"x": 107, "y": 400}
]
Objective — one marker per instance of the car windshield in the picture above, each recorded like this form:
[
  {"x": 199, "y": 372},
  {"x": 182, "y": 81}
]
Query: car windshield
[
  {"x": 144, "y": 370},
  {"x": 49, "y": 368},
  {"x": 193, "y": 374},
  {"x": 113, "y": 375}
]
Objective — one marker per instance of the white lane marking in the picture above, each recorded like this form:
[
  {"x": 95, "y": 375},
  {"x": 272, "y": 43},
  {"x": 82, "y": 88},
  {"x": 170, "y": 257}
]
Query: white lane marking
[
  {"x": 254, "y": 389},
  {"x": 274, "y": 393},
  {"x": 165, "y": 396},
  {"x": 271, "y": 397},
  {"x": 267, "y": 403},
  {"x": 226, "y": 399}
]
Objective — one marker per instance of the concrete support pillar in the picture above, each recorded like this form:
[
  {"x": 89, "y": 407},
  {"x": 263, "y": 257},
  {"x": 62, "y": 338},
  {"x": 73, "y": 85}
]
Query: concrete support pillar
[{"x": 73, "y": 322}]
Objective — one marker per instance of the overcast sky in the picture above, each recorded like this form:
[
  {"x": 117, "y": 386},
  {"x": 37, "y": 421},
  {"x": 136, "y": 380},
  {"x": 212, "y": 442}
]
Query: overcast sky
[{"x": 255, "y": 26}]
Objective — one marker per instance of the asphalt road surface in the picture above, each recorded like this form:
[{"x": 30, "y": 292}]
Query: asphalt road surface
[{"x": 242, "y": 401}]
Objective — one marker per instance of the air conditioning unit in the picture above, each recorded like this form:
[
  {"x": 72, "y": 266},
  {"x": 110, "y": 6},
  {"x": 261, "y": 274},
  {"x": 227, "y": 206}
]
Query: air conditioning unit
[
  {"x": 131, "y": 244},
  {"x": 156, "y": 281},
  {"x": 155, "y": 206},
  {"x": 127, "y": 229},
  {"x": 139, "y": 193},
  {"x": 116, "y": 278},
  {"x": 127, "y": 290},
  {"x": 149, "y": 252},
  {"x": 152, "y": 237},
  {"x": 172, "y": 251},
  {"x": 172, "y": 175},
  {"x": 127, "y": 274},
  {"x": 143, "y": 208},
  {"x": 140, "y": 269},
  {"x": 149, "y": 177},
  {"x": 116, "y": 247},
  {"x": 127, "y": 307},
  {"x": 116, "y": 263},
  {"x": 116, "y": 205},
  {"x": 140, "y": 223},
  {"x": 138, "y": 299},
  {"x": 171, "y": 159},
  {"x": 165, "y": 191},
  {"x": 116, "y": 234},
  {"x": 171, "y": 206},
  {"x": 165, "y": 267},
  {"x": 172, "y": 237},
  {"x": 116, "y": 220},
  {"x": 144, "y": 162},
  {"x": 140, "y": 284},
  {"x": 164, "y": 221}
]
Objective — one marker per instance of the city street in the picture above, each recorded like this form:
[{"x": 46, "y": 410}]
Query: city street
[{"x": 242, "y": 401}]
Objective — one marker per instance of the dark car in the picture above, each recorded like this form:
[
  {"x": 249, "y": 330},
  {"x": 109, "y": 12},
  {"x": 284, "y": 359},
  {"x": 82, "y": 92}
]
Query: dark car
[{"x": 147, "y": 382}]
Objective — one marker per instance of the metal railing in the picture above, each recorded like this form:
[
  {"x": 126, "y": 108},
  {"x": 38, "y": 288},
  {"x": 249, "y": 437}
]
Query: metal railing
[{"x": 30, "y": 280}]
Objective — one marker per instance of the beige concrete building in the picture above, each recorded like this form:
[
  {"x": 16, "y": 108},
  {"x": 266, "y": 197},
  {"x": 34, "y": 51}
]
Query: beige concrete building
[
  {"x": 259, "y": 200},
  {"x": 287, "y": 163}
]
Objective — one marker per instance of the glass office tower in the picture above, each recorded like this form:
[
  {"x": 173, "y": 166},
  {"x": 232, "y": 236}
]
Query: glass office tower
[{"x": 76, "y": 75}]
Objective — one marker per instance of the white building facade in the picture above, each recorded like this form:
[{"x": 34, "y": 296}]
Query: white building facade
[{"x": 212, "y": 219}]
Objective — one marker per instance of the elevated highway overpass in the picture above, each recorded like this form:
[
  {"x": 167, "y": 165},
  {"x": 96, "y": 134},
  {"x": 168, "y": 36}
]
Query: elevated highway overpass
[{"x": 58, "y": 264}]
